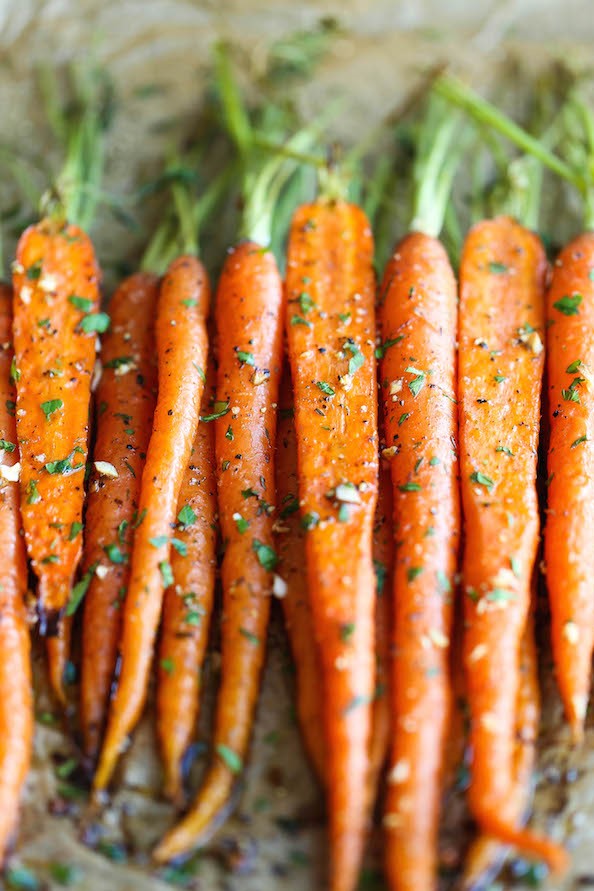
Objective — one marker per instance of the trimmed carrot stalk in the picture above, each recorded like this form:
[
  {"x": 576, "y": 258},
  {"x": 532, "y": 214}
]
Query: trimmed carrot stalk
[
  {"x": 248, "y": 319},
  {"x": 331, "y": 333},
  {"x": 290, "y": 547},
  {"x": 569, "y": 550},
  {"x": 182, "y": 348},
  {"x": 125, "y": 401},
  {"x": 187, "y": 608},
  {"x": 418, "y": 313},
  {"x": 485, "y": 853},
  {"x": 16, "y": 696},
  {"x": 502, "y": 279},
  {"x": 382, "y": 560},
  {"x": 56, "y": 294}
]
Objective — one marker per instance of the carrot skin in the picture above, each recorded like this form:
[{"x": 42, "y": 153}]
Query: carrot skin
[
  {"x": 55, "y": 273},
  {"x": 290, "y": 547},
  {"x": 486, "y": 853},
  {"x": 248, "y": 320},
  {"x": 569, "y": 549},
  {"x": 330, "y": 261},
  {"x": 16, "y": 697},
  {"x": 125, "y": 400},
  {"x": 182, "y": 351},
  {"x": 187, "y": 609},
  {"x": 502, "y": 278},
  {"x": 418, "y": 313}
]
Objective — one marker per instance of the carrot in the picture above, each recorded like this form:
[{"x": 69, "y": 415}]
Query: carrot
[
  {"x": 290, "y": 548},
  {"x": 125, "y": 401},
  {"x": 418, "y": 329},
  {"x": 502, "y": 278},
  {"x": 569, "y": 551},
  {"x": 56, "y": 293},
  {"x": 16, "y": 698},
  {"x": 187, "y": 607},
  {"x": 485, "y": 853},
  {"x": 330, "y": 287},
  {"x": 182, "y": 346},
  {"x": 56, "y": 321},
  {"x": 248, "y": 320}
]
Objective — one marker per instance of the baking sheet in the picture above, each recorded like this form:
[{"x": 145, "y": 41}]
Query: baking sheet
[{"x": 157, "y": 52}]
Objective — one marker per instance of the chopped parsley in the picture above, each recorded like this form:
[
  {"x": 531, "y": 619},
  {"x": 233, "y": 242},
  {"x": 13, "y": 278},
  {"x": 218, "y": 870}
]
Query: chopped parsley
[
  {"x": 498, "y": 268},
  {"x": 230, "y": 758},
  {"x": 246, "y": 358},
  {"x": 569, "y": 305},
  {"x": 325, "y": 388},
  {"x": 357, "y": 359},
  {"x": 95, "y": 323},
  {"x": 482, "y": 480},
  {"x": 410, "y": 487},
  {"x": 310, "y": 520},
  {"x": 51, "y": 406},
  {"x": 380, "y": 351},
  {"x": 266, "y": 555},
  {"x": 82, "y": 303},
  {"x": 166, "y": 573},
  {"x": 187, "y": 516},
  {"x": 220, "y": 409}
]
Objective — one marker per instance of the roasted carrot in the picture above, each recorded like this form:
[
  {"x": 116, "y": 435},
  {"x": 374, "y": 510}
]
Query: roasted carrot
[
  {"x": 16, "y": 697},
  {"x": 56, "y": 293},
  {"x": 330, "y": 315},
  {"x": 187, "y": 607},
  {"x": 485, "y": 854},
  {"x": 125, "y": 401},
  {"x": 248, "y": 321},
  {"x": 418, "y": 316},
  {"x": 56, "y": 296},
  {"x": 182, "y": 347},
  {"x": 502, "y": 279},
  {"x": 290, "y": 548},
  {"x": 569, "y": 550}
]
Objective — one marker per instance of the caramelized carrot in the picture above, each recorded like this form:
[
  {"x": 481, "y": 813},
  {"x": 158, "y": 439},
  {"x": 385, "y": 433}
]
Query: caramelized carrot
[
  {"x": 485, "y": 853},
  {"x": 182, "y": 346},
  {"x": 125, "y": 401},
  {"x": 187, "y": 607},
  {"x": 16, "y": 698},
  {"x": 502, "y": 278},
  {"x": 330, "y": 287},
  {"x": 569, "y": 550},
  {"x": 290, "y": 548},
  {"x": 249, "y": 338},
  {"x": 418, "y": 314},
  {"x": 56, "y": 293}
]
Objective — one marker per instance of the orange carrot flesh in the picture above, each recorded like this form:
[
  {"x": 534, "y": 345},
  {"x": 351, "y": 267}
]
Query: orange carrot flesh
[
  {"x": 249, "y": 338},
  {"x": 125, "y": 400},
  {"x": 502, "y": 277},
  {"x": 486, "y": 853},
  {"x": 418, "y": 315},
  {"x": 569, "y": 549},
  {"x": 187, "y": 608},
  {"x": 56, "y": 295},
  {"x": 16, "y": 698},
  {"x": 331, "y": 333},
  {"x": 182, "y": 347},
  {"x": 290, "y": 547}
]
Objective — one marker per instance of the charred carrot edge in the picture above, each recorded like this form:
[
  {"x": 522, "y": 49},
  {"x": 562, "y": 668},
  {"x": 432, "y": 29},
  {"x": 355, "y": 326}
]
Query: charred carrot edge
[
  {"x": 418, "y": 314},
  {"x": 56, "y": 294},
  {"x": 248, "y": 318},
  {"x": 182, "y": 352},
  {"x": 569, "y": 550},
  {"x": 187, "y": 606},
  {"x": 485, "y": 854},
  {"x": 290, "y": 548},
  {"x": 125, "y": 401},
  {"x": 502, "y": 278},
  {"x": 331, "y": 332},
  {"x": 16, "y": 696}
]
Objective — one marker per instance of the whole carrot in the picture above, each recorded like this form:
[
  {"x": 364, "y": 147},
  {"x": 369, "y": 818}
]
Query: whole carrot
[
  {"x": 16, "y": 699},
  {"x": 418, "y": 314},
  {"x": 187, "y": 607},
  {"x": 182, "y": 347},
  {"x": 331, "y": 331},
  {"x": 56, "y": 321},
  {"x": 249, "y": 321},
  {"x": 125, "y": 401},
  {"x": 502, "y": 278}
]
